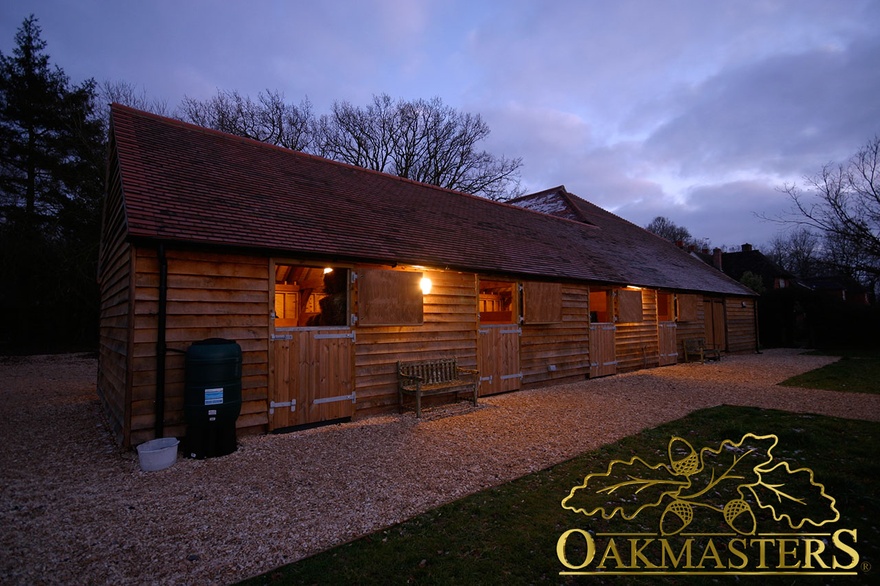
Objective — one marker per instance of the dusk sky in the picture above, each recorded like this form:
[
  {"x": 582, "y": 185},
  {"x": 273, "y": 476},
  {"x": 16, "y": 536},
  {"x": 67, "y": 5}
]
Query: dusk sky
[{"x": 697, "y": 110}]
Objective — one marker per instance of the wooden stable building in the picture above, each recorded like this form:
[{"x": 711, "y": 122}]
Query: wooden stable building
[{"x": 327, "y": 275}]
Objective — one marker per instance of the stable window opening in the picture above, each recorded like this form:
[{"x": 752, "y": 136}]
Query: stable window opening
[
  {"x": 310, "y": 296},
  {"x": 601, "y": 306},
  {"x": 497, "y": 302}
]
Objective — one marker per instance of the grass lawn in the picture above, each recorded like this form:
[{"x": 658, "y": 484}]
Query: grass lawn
[
  {"x": 858, "y": 371},
  {"x": 508, "y": 534}
]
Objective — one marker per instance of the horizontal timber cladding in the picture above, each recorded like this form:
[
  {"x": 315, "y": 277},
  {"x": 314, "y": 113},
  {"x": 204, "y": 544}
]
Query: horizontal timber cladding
[
  {"x": 637, "y": 343},
  {"x": 114, "y": 282},
  {"x": 114, "y": 342},
  {"x": 209, "y": 295},
  {"x": 691, "y": 324},
  {"x": 449, "y": 330},
  {"x": 741, "y": 329},
  {"x": 551, "y": 352}
]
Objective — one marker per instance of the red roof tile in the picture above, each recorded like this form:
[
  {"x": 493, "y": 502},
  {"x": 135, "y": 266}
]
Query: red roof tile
[{"x": 185, "y": 183}]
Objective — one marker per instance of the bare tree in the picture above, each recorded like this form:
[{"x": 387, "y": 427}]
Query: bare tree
[
  {"x": 421, "y": 140},
  {"x": 269, "y": 119},
  {"x": 121, "y": 92},
  {"x": 842, "y": 202},
  {"x": 359, "y": 136},
  {"x": 799, "y": 252},
  {"x": 666, "y": 228}
]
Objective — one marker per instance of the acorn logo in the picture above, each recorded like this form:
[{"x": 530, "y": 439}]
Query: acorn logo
[{"x": 730, "y": 480}]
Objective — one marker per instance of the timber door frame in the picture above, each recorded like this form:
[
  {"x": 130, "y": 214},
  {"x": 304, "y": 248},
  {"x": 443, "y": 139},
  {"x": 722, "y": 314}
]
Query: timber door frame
[
  {"x": 499, "y": 358},
  {"x": 603, "y": 332},
  {"x": 311, "y": 368},
  {"x": 667, "y": 339},
  {"x": 313, "y": 376},
  {"x": 603, "y": 349},
  {"x": 498, "y": 336},
  {"x": 715, "y": 322}
]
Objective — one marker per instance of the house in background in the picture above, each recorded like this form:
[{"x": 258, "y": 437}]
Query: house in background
[
  {"x": 326, "y": 275},
  {"x": 840, "y": 288},
  {"x": 737, "y": 264}
]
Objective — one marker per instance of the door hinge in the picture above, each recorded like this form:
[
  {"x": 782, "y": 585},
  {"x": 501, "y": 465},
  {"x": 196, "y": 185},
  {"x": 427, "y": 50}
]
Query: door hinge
[
  {"x": 273, "y": 404},
  {"x": 334, "y": 399}
]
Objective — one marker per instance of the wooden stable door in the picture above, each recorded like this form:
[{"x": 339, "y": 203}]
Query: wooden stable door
[
  {"x": 667, "y": 342},
  {"x": 716, "y": 330},
  {"x": 499, "y": 359},
  {"x": 313, "y": 376},
  {"x": 603, "y": 355}
]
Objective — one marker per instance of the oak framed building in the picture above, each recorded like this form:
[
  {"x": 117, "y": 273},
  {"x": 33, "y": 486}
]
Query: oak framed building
[{"x": 320, "y": 271}]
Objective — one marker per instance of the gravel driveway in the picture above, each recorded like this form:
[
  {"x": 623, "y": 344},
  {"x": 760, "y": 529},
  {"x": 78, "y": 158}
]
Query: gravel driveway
[{"x": 75, "y": 509}]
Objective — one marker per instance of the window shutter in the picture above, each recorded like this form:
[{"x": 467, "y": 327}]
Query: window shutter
[
  {"x": 687, "y": 307},
  {"x": 542, "y": 303},
  {"x": 389, "y": 298},
  {"x": 629, "y": 304}
]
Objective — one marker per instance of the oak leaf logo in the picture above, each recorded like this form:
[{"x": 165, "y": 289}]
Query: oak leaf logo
[{"x": 729, "y": 480}]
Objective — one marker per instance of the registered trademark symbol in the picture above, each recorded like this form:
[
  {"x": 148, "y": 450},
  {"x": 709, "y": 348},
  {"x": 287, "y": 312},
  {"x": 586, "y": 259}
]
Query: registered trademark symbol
[{"x": 866, "y": 566}]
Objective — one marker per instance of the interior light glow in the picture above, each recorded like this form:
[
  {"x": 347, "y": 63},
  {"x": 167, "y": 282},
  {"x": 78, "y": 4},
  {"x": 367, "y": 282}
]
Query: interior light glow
[
  {"x": 425, "y": 285},
  {"x": 328, "y": 270}
]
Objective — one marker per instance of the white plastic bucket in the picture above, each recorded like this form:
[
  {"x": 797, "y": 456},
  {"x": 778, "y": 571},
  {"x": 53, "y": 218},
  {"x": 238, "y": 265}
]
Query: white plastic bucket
[{"x": 158, "y": 454}]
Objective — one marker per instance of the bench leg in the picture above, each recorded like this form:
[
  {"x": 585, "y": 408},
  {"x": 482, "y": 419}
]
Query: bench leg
[{"x": 419, "y": 404}]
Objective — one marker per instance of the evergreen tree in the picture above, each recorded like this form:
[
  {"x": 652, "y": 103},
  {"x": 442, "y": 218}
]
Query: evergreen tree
[{"x": 51, "y": 169}]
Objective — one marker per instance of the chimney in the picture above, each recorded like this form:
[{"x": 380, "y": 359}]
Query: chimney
[
  {"x": 746, "y": 247},
  {"x": 680, "y": 243},
  {"x": 716, "y": 259},
  {"x": 692, "y": 247}
]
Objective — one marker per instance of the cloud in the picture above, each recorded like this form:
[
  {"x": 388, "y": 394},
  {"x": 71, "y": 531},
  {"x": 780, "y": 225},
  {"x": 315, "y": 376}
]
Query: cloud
[{"x": 783, "y": 116}]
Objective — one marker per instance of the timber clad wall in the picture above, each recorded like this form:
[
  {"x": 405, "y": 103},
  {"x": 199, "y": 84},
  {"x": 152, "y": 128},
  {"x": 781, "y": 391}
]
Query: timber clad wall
[
  {"x": 449, "y": 331},
  {"x": 209, "y": 296},
  {"x": 114, "y": 342},
  {"x": 692, "y": 328},
  {"x": 115, "y": 275},
  {"x": 741, "y": 330},
  {"x": 637, "y": 342},
  {"x": 228, "y": 296},
  {"x": 565, "y": 344}
]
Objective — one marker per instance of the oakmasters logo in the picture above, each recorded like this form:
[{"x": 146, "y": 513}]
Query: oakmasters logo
[{"x": 720, "y": 488}]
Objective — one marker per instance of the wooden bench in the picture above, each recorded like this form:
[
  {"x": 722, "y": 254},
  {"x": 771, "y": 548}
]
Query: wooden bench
[
  {"x": 435, "y": 377},
  {"x": 696, "y": 347}
]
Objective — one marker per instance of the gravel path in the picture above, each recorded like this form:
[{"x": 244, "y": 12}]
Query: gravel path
[{"x": 77, "y": 510}]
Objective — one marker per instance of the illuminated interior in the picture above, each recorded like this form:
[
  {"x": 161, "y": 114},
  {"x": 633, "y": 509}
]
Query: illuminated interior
[
  {"x": 601, "y": 307},
  {"x": 496, "y": 302},
  {"x": 310, "y": 296},
  {"x": 664, "y": 306}
]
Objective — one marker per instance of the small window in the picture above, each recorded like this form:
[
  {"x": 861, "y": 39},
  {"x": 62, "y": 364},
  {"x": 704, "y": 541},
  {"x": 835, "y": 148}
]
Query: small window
[
  {"x": 311, "y": 296},
  {"x": 497, "y": 302}
]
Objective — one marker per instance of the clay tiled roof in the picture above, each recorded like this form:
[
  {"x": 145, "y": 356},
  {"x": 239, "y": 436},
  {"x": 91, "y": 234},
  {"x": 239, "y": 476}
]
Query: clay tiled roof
[
  {"x": 188, "y": 184},
  {"x": 645, "y": 259}
]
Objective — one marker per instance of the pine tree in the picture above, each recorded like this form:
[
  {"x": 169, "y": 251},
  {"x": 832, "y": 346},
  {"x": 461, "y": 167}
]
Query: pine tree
[{"x": 50, "y": 189}]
